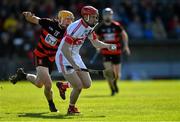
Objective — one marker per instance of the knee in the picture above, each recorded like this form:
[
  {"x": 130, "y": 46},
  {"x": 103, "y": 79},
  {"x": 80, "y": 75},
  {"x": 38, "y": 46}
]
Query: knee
[
  {"x": 79, "y": 87},
  {"x": 87, "y": 85},
  {"x": 39, "y": 84},
  {"x": 109, "y": 74}
]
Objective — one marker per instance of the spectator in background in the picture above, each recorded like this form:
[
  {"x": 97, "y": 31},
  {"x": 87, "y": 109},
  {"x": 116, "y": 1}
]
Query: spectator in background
[
  {"x": 135, "y": 29},
  {"x": 10, "y": 24},
  {"x": 148, "y": 32},
  {"x": 11, "y": 21},
  {"x": 174, "y": 27},
  {"x": 5, "y": 46},
  {"x": 159, "y": 31}
]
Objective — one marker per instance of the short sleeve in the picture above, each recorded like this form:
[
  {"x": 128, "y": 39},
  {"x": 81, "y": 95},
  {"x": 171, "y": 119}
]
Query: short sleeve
[
  {"x": 45, "y": 22},
  {"x": 120, "y": 28},
  {"x": 92, "y": 36}
]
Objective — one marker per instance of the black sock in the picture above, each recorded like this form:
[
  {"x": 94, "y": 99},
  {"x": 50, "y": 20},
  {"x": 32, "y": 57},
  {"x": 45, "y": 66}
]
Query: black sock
[
  {"x": 50, "y": 102},
  {"x": 115, "y": 81},
  {"x": 24, "y": 76}
]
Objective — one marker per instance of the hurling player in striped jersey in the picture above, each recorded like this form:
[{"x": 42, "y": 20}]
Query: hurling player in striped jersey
[
  {"x": 52, "y": 32},
  {"x": 111, "y": 32}
]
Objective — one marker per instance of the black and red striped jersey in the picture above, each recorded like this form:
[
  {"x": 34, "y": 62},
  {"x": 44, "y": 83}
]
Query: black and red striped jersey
[
  {"x": 50, "y": 38},
  {"x": 110, "y": 34}
]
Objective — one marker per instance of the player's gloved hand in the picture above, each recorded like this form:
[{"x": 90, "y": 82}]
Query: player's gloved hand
[
  {"x": 112, "y": 47},
  {"x": 127, "y": 50}
]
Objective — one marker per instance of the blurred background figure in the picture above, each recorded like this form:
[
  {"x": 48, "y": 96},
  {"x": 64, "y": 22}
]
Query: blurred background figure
[
  {"x": 112, "y": 32},
  {"x": 152, "y": 26},
  {"x": 158, "y": 29}
]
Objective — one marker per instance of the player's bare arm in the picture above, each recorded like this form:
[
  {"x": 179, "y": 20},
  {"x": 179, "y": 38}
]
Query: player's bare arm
[
  {"x": 125, "y": 41},
  {"x": 66, "y": 50},
  {"x": 99, "y": 44},
  {"x": 30, "y": 17}
]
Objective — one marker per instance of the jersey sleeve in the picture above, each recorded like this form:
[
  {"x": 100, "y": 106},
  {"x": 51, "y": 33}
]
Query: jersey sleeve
[
  {"x": 69, "y": 36},
  {"x": 45, "y": 22},
  {"x": 92, "y": 36},
  {"x": 120, "y": 28}
]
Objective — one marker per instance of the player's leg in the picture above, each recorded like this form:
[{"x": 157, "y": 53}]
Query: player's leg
[
  {"x": 109, "y": 75},
  {"x": 41, "y": 78},
  {"x": 85, "y": 79},
  {"x": 43, "y": 66},
  {"x": 116, "y": 62},
  {"x": 77, "y": 86},
  {"x": 43, "y": 75},
  {"x": 36, "y": 79},
  {"x": 117, "y": 74}
]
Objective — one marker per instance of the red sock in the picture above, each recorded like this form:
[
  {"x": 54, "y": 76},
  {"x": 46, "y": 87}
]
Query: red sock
[{"x": 66, "y": 85}]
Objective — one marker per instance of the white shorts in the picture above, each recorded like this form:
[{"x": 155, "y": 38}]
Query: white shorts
[{"x": 62, "y": 62}]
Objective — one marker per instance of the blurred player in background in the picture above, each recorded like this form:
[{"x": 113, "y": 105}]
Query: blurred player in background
[
  {"x": 44, "y": 55},
  {"x": 68, "y": 53},
  {"x": 110, "y": 31}
]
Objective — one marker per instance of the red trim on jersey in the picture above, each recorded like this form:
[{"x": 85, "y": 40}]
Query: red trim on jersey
[
  {"x": 61, "y": 62},
  {"x": 52, "y": 59},
  {"x": 44, "y": 42},
  {"x": 116, "y": 23},
  {"x": 39, "y": 54},
  {"x": 107, "y": 52},
  {"x": 69, "y": 39},
  {"x": 44, "y": 32},
  {"x": 94, "y": 35},
  {"x": 84, "y": 24}
]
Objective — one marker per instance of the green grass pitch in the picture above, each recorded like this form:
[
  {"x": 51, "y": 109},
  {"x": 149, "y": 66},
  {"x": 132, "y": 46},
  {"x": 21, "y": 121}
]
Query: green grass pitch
[{"x": 137, "y": 101}]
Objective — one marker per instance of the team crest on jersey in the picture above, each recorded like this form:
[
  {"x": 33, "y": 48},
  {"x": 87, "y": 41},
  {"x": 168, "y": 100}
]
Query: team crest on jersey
[
  {"x": 51, "y": 40},
  {"x": 86, "y": 32}
]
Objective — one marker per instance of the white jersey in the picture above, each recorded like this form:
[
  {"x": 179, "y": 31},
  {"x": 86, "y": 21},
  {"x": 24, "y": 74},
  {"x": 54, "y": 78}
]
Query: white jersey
[{"x": 76, "y": 34}]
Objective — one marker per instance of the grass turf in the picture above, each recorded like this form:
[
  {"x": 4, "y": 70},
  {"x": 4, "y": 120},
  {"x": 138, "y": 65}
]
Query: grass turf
[{"x": 137, "y": 101}]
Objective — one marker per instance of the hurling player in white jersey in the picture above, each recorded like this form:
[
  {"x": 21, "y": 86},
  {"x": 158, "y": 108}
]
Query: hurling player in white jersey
[{"x": 68, "y": 53}]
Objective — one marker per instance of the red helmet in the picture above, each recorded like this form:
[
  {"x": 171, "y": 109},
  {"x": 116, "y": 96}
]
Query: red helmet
[{"x": 89, "y": 10}]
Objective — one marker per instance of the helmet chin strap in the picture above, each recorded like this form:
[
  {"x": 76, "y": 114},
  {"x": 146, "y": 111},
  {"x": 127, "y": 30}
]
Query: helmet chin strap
[{"x": 86, "y": 20}]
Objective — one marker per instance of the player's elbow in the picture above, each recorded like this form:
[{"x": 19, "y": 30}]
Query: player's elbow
[{"x": 33, "y": 20}]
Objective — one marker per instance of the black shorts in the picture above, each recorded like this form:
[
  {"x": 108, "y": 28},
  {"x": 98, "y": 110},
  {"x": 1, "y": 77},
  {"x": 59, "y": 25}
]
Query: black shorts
[
  {"x": 45, "y": 62},
  {"x": 114, "y": 59}
]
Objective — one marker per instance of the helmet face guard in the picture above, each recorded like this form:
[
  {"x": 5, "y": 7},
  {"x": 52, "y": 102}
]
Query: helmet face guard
[{"x": 90, "y": 15}]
